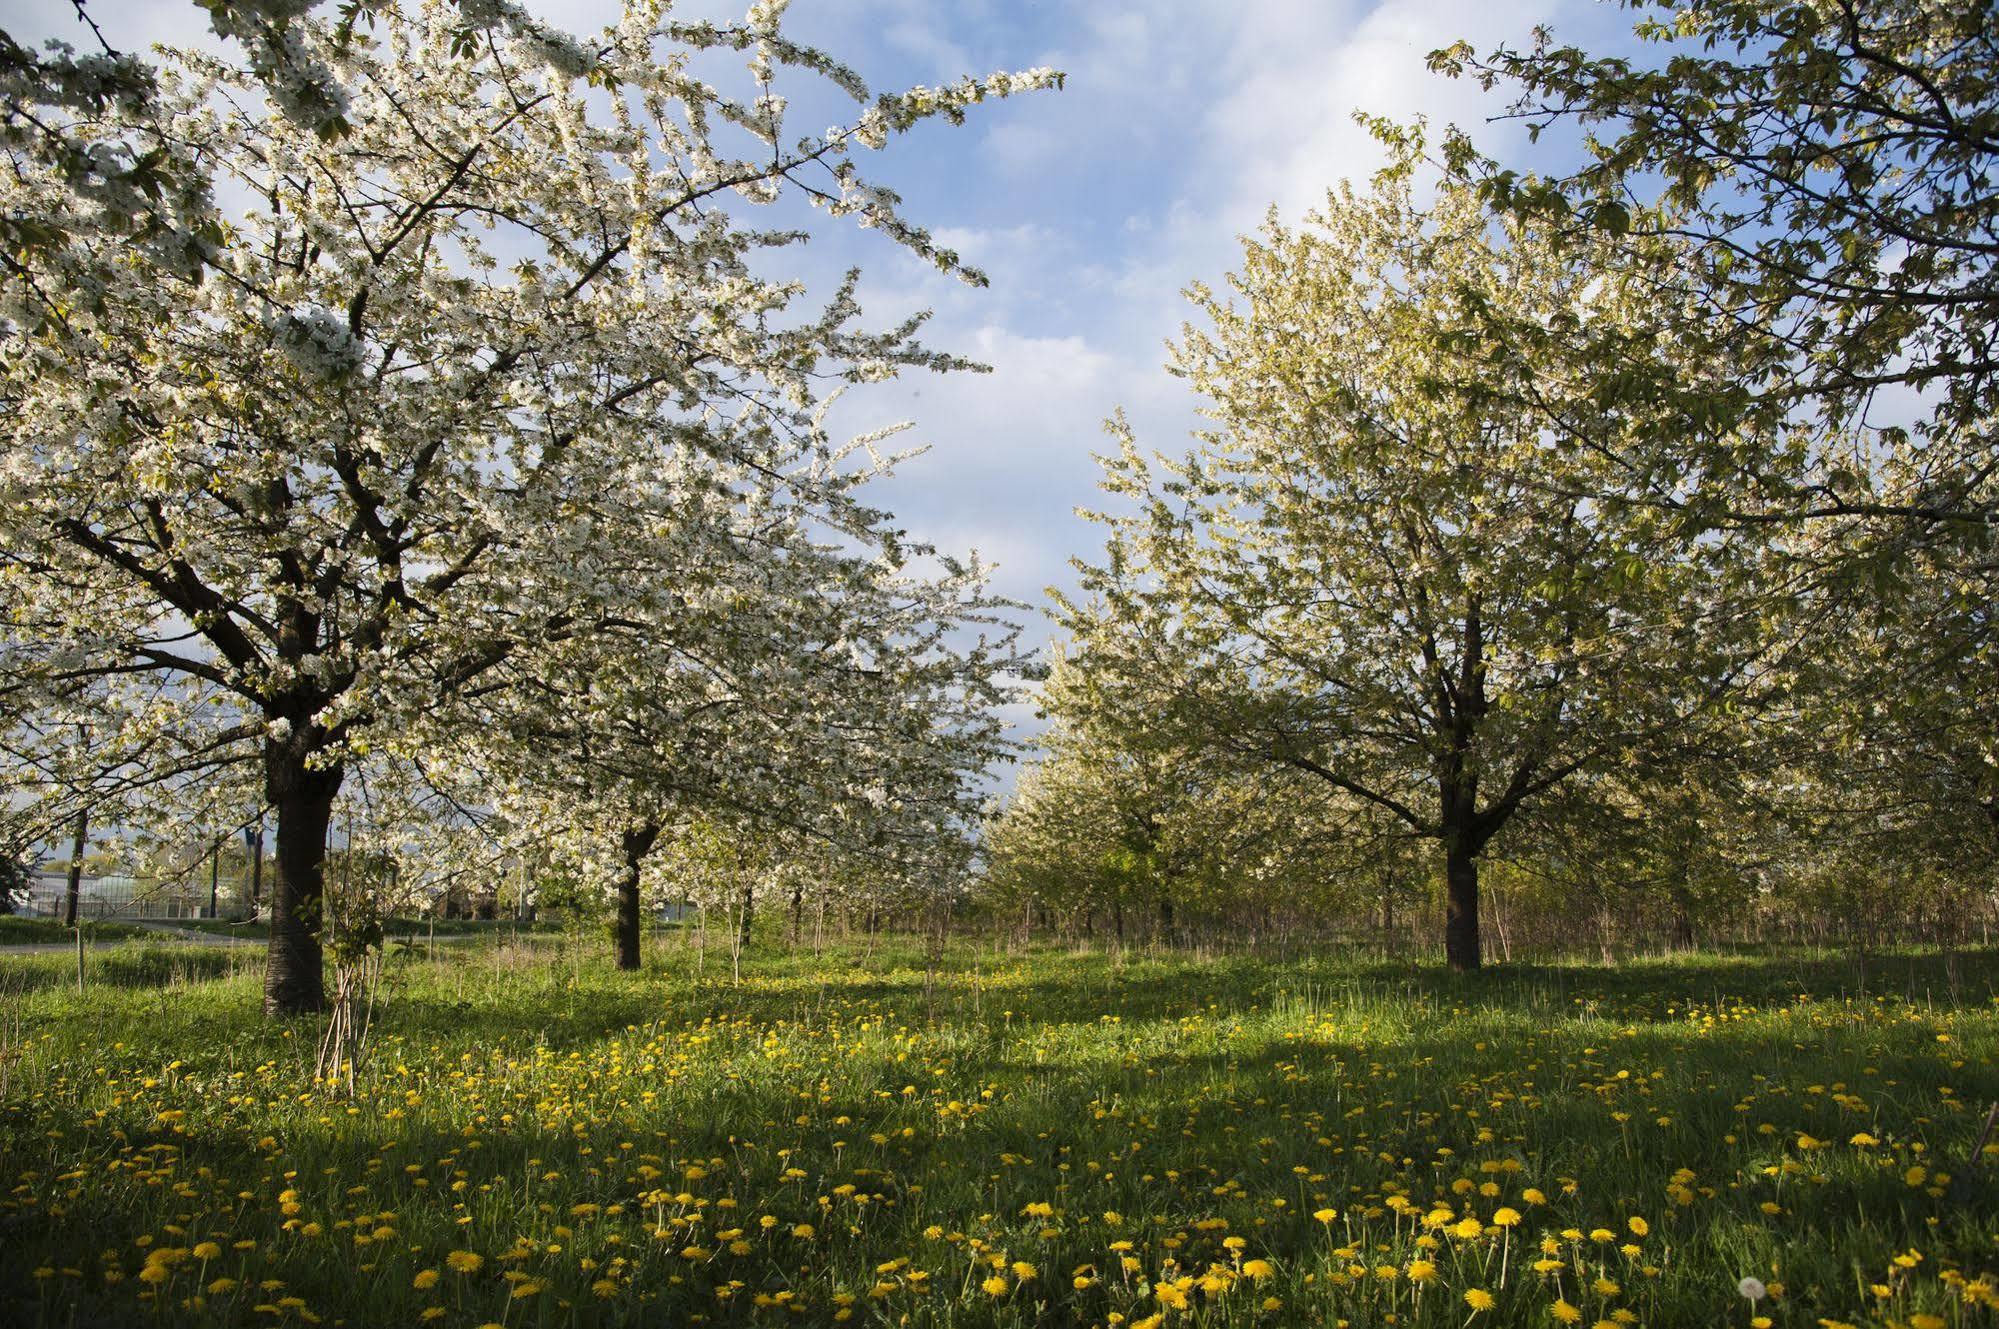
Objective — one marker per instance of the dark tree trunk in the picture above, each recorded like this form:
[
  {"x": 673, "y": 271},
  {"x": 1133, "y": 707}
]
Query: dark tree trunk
[
  {"x": 1166, "y": 917},
  {"x": 1465, "y": 830},
  {"x": 1117, "y": 917},
  {"x": 76, "y": 847},
  {"x": 797, "y": 908},
  {"x": 635, "y": 844},
  {"x": 743, "y": 915},
  {"x": 302, "y": 800},
  {"x": 1461, "y": 946},
  {"x": 1683, "y": 923}
]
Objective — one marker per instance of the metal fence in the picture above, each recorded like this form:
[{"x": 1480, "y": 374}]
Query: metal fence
[{"x": 114, "y": 897}]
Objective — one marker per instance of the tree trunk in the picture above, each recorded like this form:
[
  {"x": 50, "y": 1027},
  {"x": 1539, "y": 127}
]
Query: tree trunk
[
  {"x": 1465, "y": 829},
  {"x": 743, "y": 915},
  {"x": 1683, "y": 923},
  {"x": 76, "y": 846},
  {"x": 302, "y": 799},
  {"x": 1461, "y": 947},
  {"x": 635, "y": 844}
]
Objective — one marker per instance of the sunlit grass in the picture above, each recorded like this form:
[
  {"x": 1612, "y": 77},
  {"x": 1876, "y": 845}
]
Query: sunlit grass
[{"x": 1021, "y": 1138}]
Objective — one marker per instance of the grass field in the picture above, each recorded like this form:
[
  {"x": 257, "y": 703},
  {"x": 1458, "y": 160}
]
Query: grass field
[
  {"x": 1043, "y": 1138},
  {"x": 23, "y": 930},
  {"x": 395, "y": 929}
]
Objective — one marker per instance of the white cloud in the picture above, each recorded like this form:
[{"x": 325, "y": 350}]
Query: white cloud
[{"x": 1287, "y": 127}]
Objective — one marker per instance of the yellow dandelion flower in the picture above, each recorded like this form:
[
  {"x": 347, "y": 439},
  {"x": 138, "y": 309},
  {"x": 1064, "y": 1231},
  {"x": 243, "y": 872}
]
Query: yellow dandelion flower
[{"x": 1478, "y": 1299}]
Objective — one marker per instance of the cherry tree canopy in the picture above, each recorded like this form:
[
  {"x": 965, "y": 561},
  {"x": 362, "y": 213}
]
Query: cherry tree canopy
[{"x": 413, "y": 380}]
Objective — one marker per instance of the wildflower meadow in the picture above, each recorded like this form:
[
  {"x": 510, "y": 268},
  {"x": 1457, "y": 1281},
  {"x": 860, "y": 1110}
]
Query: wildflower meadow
[
  {"x": 988, "y": 1136},
  {"x": 988, "y": 665}
]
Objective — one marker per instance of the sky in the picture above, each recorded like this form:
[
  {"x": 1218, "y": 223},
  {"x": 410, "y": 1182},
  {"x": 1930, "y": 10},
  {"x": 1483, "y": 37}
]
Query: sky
[{"x": 1091, "y": 209}]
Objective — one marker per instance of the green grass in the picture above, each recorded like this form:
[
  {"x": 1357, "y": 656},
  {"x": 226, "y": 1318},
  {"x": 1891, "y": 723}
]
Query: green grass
[
  {"x": 20, "y": 930},
  {"x": 398, "y": 928},
  {"x": 850, "y": 1138}
]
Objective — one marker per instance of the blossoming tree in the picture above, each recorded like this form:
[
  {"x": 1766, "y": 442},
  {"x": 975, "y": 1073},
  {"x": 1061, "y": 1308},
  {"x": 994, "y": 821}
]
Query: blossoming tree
[
  {"x": 324, "y": 451},
  {"x": 831, "y": 697},
  {"x": 1380, "y": 568}
]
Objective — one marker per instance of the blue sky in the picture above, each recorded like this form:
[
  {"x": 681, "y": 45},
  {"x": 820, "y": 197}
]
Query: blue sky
[{"x": 1090, "y": 209}]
